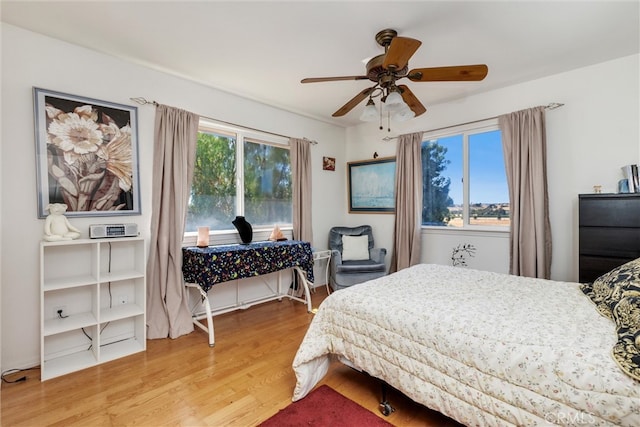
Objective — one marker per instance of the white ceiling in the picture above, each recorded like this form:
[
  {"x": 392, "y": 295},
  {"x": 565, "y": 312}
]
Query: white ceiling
[{"x": 261, "y": 50}]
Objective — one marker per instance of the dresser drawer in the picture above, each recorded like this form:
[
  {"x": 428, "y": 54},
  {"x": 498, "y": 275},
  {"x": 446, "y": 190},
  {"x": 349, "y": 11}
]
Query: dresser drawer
[
  {"x": 592, "y": 267},
  {"x": 614, "y": 211},
  {"x": 609, "y": 241}
]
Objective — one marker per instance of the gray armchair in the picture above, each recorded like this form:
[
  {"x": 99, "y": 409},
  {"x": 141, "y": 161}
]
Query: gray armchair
[{"x": 345, "y": 273}]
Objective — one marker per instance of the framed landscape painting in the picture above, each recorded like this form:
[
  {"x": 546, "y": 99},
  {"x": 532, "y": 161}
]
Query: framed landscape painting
[
  {"x": 86, "y": 154},
  {"x": 372, "y": 185}
]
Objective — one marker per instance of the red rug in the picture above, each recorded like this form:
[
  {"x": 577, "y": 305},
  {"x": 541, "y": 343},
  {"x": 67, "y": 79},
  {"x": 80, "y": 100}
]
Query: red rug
[{"x": 325, "y": 407}]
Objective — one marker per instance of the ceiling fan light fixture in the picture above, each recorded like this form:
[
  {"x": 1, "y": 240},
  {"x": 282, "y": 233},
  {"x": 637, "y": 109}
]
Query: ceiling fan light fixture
[
  {"x": 370, "y": 112},
  {"x": 403, "y": 114},
  {"x": 394, "y": 102}
]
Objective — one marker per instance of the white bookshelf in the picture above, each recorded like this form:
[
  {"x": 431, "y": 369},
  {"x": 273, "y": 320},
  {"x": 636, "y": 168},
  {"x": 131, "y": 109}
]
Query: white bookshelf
[{"x": 100, "y": 285}]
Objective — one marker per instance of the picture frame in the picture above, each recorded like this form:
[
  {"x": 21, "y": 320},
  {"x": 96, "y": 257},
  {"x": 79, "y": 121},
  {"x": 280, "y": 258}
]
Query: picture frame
[
  {"x": 371, "y": 185},
  {"x": 86, "y": 155},
  {"x": 328, "y": 163}
]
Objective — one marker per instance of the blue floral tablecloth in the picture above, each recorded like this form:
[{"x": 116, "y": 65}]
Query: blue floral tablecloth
[{"x": 216, "y": 264}]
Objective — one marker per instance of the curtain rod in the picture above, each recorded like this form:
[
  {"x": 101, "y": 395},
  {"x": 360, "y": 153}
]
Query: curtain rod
[
  {"x": 143, "y": 101},
  {"x": 551, "y": 106}
]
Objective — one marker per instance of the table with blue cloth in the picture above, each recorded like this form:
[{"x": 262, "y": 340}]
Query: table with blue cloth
[{"x": 203, "y": 268}]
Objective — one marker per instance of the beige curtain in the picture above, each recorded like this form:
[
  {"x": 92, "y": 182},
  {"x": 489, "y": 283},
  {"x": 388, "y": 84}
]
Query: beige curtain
[
  {"x": 301, "y": 178},
  {"x": 525, "y": 156},
  {"x": 408, "y": 221},
  {"x": 175, "y": 136}
]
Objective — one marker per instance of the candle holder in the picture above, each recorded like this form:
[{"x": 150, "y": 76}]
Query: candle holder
[{"x": 203, "y": 237}]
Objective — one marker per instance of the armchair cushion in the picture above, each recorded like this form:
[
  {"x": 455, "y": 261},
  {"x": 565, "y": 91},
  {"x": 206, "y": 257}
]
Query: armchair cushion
[
  {"x": 355, "y": 248},
  {"x": 364, "y": 266}
]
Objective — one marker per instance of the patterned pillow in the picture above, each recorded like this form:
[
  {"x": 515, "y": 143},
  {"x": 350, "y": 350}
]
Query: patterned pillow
[
  {"x": 611, "y": 287},
  {"x": 626, "y": 352}
]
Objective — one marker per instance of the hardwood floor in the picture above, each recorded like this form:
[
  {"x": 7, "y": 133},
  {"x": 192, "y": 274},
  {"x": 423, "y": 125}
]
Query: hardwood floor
[{"x": 242, "y": 381}]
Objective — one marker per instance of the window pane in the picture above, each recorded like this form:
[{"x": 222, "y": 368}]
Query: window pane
[
  {"x": 488, "y": 190},
  {"x": 442, "y": 182},
  {"x": 212, "y": 201},
  {"x": 267, "y": 184}
]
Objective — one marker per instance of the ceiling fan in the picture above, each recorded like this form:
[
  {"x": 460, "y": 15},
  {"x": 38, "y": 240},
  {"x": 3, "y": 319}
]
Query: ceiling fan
[{"x": 386, "y": 69}]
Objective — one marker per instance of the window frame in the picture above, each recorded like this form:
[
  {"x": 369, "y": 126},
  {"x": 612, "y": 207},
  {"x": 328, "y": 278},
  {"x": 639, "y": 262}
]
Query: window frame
[
  {"x": 465, "y": 130},
  {"x": 241, "y": 135}
]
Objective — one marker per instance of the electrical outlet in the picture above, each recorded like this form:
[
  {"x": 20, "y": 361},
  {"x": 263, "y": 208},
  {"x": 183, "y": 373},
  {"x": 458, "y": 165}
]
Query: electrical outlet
[
  {"x": 57, "y": 309},
  {"x": 123, "y": 299}
]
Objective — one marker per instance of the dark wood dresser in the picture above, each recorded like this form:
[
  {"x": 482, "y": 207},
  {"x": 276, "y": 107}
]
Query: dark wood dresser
[{"x": 609, "y": 232}]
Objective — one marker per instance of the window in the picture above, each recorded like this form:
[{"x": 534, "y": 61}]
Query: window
[
  {"x": 267, "y": 184},
  {"x": 239, "y": 174},
  {"x": 464, "y": 179}
]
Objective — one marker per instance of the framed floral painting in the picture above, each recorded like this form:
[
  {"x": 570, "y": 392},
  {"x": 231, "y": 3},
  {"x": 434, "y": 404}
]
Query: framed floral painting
[{"x": 87, "y": 155}]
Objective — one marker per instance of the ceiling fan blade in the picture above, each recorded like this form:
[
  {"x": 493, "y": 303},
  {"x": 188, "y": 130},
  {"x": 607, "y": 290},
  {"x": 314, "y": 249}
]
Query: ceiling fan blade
[
  {"x": 399, "y": 52},
  {"x": 332, "y": 79},
  {"x": 353, "y": 102},
  {"x": 411, "y": 100},
  {"x": 461, "y": 73}
]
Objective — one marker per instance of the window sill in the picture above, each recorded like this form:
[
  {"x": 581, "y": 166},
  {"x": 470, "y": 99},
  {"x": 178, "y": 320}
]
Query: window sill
[
  {"x": 502, "y": 232},
  {"x": 230, "y": 237}
]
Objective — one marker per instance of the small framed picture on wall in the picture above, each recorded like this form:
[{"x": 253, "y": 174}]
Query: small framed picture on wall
[{"x": 329, "y": 163}]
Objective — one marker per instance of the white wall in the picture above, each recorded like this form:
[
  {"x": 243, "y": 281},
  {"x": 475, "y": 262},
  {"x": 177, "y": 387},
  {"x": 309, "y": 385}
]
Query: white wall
[
  {"x": 588, "y": 140},
  {"x": 28, "y": 60}
]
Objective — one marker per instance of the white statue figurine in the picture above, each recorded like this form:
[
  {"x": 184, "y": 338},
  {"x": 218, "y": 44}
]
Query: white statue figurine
[{"x": 57, "y": 226}]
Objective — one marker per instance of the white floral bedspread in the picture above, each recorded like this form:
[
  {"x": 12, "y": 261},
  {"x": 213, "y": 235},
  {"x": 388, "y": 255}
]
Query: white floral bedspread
[{"x": 482, "y": 348}]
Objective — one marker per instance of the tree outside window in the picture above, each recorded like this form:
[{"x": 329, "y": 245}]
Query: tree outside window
[
  {"x": 435, "y": 188},
  {"x": 464, "y": 180},
  {"x": 267, "y": 184},
  {"x": 234, "y": 176},
  {"x": 212, "y": 201}
]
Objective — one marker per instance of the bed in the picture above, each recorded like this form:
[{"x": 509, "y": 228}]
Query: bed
[{"x": 482, "y": 348}]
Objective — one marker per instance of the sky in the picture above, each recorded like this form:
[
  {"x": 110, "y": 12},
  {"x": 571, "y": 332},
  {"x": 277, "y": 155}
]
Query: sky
[{"x": 487, "y": 177}]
